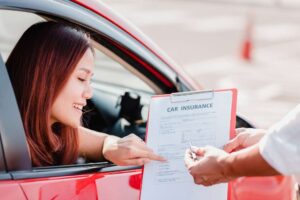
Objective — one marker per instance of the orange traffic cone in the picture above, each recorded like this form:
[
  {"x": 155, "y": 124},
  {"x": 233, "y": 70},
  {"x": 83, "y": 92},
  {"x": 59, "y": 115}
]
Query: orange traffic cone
[{"x": 246, "y": 51}]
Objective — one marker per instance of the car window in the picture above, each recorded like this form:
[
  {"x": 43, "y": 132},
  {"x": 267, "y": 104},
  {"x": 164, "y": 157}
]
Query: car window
[
  {"x": 112, "y": 76},
  {"x": 13, "y": 24},
  {"x": 108, "y": 71},
  {"x": 111, "y": 72}
]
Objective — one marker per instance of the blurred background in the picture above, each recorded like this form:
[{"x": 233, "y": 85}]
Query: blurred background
[{"x": 251, "y": 45}]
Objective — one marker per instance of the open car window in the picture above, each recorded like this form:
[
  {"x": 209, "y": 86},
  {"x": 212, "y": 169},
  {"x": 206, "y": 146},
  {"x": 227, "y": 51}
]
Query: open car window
[
  {"x": 109, "y": 71},
  {"x": 113, "y": 80},
  {"x": 117, "y": 85},
  {"x": 12, "y": 29}
]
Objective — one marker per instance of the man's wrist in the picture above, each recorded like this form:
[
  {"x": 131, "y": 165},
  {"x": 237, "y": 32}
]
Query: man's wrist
[{"x": 226, "y": 165}]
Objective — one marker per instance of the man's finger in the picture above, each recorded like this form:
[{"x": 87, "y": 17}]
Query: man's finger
[
  {"x": 200, "y": 152},
  {"x": 231, "y": 145},
  {"x": 239, "y": 130},
  {"x": 189, "y": 161},
  {"x": 198, "y": 180}
]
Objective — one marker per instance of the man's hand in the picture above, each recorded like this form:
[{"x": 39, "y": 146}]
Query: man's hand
[
  {"x": 244, "y": 137},
  {"x": 130, "y": 150},
  {"x": 207, "y": 169}
]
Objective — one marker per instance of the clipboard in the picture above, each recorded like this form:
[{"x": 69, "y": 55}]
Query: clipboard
[
  {"x": 205, "y": 94},
  {"x": 194, "y": 101}
]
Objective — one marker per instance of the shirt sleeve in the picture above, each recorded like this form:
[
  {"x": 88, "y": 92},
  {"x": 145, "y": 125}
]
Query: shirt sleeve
[{"x": 280, "y": 147}]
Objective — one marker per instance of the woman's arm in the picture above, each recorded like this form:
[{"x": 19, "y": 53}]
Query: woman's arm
[
  {"x": 91, "y": 144},
  {"x": 130, "y": 150}
]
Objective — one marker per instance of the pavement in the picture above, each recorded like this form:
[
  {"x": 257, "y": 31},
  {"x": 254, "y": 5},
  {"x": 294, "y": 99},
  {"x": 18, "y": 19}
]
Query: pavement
[{"x": 206, "y": 39}]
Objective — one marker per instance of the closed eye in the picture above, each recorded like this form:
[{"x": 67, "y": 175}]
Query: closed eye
[{"x": 81, "y": 79}]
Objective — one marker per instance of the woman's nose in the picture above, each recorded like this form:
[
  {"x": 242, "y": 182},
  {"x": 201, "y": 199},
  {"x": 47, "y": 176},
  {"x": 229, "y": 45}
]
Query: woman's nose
[{"x": 88, "y": 92}]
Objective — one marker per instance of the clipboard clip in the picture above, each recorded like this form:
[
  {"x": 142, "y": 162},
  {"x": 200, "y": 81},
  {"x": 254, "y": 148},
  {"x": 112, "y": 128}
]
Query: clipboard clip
[{"x": 192, "y": 96}]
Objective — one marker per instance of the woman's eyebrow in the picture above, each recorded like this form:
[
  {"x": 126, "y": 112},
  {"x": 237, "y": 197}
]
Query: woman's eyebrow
[{"x": 86, "y": 70}]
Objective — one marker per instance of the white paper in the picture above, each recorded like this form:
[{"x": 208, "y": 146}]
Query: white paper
[{"x": 171, "y": 127}]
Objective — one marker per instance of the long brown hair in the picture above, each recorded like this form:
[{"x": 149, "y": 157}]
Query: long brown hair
[{"x": 39, "y": 67}]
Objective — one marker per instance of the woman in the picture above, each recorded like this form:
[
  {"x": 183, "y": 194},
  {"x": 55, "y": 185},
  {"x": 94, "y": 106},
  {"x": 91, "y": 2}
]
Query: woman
[{"x": 51, "y": 68}]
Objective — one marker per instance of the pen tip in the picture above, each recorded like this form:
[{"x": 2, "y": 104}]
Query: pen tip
[{"x": 194, "y": 148}]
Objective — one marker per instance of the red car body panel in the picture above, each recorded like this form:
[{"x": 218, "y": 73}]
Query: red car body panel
[
  {"x": 11, "y": 190},
  {"x": 102, "y": 186},
  {"x": 127, "y": 184}
]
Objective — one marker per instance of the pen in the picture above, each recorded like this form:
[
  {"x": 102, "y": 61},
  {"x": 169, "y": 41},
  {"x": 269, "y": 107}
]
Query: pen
[{"x": 193, "y": 153}]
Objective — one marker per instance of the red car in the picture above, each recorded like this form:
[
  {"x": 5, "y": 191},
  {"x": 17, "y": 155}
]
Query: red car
[{"x": 130, "y": 69}]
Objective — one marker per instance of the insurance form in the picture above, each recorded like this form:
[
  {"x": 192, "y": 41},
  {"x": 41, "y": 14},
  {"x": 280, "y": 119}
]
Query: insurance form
[{"x": 176, "y": 120}]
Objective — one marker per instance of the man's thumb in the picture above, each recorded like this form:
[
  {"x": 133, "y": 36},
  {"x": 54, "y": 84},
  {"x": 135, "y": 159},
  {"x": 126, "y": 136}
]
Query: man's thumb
[{"x": 200, "y": 151}]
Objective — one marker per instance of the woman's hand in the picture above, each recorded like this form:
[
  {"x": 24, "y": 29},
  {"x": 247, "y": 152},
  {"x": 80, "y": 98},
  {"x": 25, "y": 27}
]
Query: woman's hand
[
  {"x": 207, "y": 169},
  {"x": 244, "y": 137},
  {"x": 129, "y": 150}
]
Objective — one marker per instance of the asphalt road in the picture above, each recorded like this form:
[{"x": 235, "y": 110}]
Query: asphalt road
[{"x": 206, "y": 39}]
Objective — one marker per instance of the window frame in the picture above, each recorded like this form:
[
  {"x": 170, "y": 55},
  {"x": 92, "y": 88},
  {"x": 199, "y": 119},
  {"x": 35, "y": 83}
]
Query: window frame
[
  {"x": 13, "y": 139},
  {"x": 115, "y": 40}
]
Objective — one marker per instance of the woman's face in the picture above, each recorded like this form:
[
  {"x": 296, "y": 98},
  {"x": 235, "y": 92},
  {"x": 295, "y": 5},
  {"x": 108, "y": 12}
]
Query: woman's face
[{"x": 67, "y": 107}]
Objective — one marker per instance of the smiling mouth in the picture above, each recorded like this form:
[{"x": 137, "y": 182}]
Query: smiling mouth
[{"x": 78, "y": 107}]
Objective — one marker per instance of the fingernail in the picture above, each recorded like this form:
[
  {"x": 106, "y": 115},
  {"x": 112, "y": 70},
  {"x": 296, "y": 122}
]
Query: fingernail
[{"x": 163, "y": 159}]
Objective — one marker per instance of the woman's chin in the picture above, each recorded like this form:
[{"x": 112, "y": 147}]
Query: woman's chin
[{"x": 74, "y": 124}]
